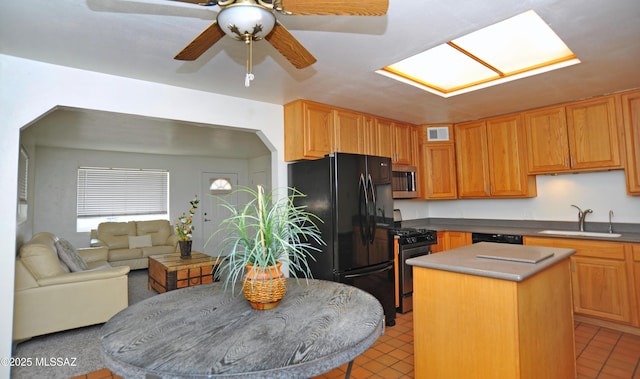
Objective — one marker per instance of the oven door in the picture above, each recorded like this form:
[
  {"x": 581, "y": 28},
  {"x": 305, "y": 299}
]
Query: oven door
[{"x": 406, "y": 272}]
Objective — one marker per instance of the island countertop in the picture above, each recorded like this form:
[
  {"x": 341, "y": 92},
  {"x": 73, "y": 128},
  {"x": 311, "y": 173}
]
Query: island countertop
[{"x": 494, "y": 260}]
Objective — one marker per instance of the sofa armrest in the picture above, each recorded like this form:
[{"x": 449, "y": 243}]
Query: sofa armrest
[
  {"x": 94, "y": 254},
  {"x": 173, "y": 240},
  {"x": 95, "y": 242},
  {"x": 84, "y": 276}
]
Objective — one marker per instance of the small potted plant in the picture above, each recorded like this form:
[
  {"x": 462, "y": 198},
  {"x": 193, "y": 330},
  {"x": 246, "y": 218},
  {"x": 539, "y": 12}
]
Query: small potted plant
[
  {"x": 184, "y": 228},
  {"x": 261, "y": 236}
]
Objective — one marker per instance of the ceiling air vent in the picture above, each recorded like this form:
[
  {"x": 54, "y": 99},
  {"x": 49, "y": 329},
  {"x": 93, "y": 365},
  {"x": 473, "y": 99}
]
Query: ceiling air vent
[{"x": 438, "y": 134}]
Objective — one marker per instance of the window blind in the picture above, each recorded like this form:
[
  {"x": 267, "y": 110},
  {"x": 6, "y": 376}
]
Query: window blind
[{"x": 117, "y": 192}]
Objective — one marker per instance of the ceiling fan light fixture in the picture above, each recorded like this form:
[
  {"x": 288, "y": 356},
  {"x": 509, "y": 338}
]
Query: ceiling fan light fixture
[{"x": 246, "y": 20}]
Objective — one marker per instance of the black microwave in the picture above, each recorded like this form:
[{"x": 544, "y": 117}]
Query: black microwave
[{"x": 403, "y": 182}]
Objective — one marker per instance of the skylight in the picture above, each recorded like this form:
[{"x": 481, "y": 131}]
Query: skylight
[{"x": 521, "y": 46}]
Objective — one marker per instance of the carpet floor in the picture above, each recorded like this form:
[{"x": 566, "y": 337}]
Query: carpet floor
[{"x": 81, "y": 346}]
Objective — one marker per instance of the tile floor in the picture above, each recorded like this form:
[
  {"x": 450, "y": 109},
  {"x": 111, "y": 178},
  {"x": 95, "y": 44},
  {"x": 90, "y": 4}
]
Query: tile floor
[{"x": 601, "y": 354}]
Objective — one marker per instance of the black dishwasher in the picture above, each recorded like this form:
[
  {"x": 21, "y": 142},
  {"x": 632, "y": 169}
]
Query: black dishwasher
[{"x": 513, "y": 239}]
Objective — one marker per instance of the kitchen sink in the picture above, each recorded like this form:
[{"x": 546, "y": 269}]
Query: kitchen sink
[{"x": 579, "y": 234}]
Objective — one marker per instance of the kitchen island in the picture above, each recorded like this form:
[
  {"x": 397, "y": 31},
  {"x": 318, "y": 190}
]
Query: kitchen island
[{"x": 492, "y": 310}]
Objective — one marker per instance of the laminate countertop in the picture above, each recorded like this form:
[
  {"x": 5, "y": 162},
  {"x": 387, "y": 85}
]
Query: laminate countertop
[
  {"x": 628, "y": 232},
  {"x": 494, "y": 260}
]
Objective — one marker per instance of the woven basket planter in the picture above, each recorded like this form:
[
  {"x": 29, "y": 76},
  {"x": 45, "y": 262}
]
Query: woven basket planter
[{"x": 264, "y": 288}]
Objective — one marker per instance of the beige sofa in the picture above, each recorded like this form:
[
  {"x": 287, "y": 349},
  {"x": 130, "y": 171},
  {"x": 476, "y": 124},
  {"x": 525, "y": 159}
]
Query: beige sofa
[
  {"x": 131, "y": 243},
  {"x": 49, "y": 298}
]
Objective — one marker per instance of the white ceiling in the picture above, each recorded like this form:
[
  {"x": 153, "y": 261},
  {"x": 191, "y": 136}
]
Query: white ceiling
[{"x": 138, "y": 39}]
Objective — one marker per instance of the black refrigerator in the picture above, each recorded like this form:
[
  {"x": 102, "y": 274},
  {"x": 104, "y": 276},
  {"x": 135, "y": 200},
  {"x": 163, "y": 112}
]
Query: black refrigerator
[{"x": 352, "y": 194}]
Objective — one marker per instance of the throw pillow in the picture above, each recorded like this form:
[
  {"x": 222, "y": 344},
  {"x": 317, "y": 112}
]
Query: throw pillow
[
  {"x": 70, "y": 256},
  {"x": 140, "y": 241}
]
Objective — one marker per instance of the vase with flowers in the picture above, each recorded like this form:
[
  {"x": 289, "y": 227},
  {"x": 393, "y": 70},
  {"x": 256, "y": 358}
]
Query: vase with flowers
[{"x": 185, "y": 228}]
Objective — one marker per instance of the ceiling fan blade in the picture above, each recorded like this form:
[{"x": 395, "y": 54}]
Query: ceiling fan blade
[
  {"x": 204, "y": 3},
  {"x": 201, "y": 43},
  {"x": 336, "y": 7},
  {"x": 290, "y": 47}
]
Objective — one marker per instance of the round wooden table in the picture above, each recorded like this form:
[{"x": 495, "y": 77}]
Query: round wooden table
[{"x": 205, "y": 332}]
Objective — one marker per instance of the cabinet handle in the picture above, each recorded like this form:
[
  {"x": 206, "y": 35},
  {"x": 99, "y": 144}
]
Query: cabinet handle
[{"x": 573, "y": 265}]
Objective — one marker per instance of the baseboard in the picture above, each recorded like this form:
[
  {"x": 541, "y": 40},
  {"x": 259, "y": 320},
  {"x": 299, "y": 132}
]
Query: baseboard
[{"x": 607, "y": 324}]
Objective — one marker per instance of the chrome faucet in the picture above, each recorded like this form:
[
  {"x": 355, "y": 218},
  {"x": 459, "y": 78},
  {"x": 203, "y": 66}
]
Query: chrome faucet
[
  {"x": 610, "y": 225},
  {"x": 581, "y": 216}
]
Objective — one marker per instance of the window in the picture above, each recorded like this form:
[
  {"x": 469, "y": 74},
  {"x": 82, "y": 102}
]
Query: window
[
  {"x": 23, "y": 181},
  {"x": 220, "y": 186},
  {"x": 120, "y": 194}
]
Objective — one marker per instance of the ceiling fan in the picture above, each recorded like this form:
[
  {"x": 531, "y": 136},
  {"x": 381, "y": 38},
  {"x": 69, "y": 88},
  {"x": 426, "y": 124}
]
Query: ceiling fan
[{"x": 253, "y": 20}]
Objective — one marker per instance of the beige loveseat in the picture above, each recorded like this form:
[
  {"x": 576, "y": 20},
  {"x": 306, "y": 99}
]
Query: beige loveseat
[
  {"x": 50, "y": 298},
  {"x": 131, "y": 243}
]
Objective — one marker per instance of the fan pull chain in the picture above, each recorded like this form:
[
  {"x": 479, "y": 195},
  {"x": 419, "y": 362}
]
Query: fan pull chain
[{"x": 249, "y": 77}]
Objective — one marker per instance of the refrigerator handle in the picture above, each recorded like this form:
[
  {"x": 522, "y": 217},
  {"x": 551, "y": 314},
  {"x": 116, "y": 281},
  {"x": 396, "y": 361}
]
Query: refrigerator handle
[
  {"x": 374, "y": 205},
  {"x": 363, "y": 216}
]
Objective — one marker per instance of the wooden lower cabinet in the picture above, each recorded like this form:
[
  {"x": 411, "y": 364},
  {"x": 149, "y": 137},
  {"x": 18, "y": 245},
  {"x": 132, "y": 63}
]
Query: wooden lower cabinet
[
  {"x": 468, "y": 326},
  {"x": 601, "y": 276},
  {"x": 448, "y": 240},
  {"x": 635, "y": 254}
]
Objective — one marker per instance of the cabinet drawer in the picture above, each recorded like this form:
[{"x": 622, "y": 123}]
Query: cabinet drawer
[{"x": 584, "y": 248}]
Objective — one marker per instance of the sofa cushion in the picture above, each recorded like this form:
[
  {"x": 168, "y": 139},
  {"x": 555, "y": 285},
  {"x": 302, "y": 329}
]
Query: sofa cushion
[
  {"x": 139, "y": 241},
  {"x": 40, "y": 260},
  {"x": 124, "y": 254},
  {"x": 116, "y": 234},
  {"x": 68, "y": 254},
  {"x": 160, "y": 230}
]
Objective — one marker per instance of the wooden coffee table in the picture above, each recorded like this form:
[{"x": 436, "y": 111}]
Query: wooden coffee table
[{"x": 169, "y": 272}]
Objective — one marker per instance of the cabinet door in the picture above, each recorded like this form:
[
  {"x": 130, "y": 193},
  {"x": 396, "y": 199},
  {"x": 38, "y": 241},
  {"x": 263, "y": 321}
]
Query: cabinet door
[
  {"x": 547, "y": 140},
  {"x": 402, "y": 143},
  {"x": 635, "y": 256},
  {"x": 382, "y": 139},
  {"x": 506, "y": 157},
  {"x": 438, "y": 171},
  {"x": 370, "y": 136},
  {"x": 349, "y": 132},
  {"x": 456, "y": 239},
  {"x": 471, "y": 160},
  {"x": 318, "y": 130},
  {"x": 593, "y": 134},
  {"x": 631, "y": 114},
  {"x": 600, "y": 288}
]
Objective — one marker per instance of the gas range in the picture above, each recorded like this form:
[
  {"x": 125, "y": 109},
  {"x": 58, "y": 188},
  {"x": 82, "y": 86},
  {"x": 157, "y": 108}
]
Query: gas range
[{"x": 410, "y": 236}]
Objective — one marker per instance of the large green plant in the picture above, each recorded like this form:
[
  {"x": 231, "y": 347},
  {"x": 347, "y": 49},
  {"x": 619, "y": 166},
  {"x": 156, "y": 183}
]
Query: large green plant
[{"x": 266, "y": 230}]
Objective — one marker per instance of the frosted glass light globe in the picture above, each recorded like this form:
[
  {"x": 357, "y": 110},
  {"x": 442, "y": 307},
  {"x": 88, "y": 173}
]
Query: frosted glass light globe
[{"x": 245, "y": 17}]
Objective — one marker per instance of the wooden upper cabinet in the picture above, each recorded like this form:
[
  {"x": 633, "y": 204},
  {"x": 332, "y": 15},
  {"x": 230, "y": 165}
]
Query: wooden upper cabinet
[
  {"x": 581, "y": 136},
  {"x": 593, "y": 134},
  {"x": 631, "y": 117},
  {"x": 403, "y": 144},
  {"x": 349, "y": 132},
  {"x": 472, "y": 164},
  {"x": 313, "y": 130},
  {"x": 308, "y": 130},
  {"x": 490, "y": 159},
  {"x": 507, "y": 158},
  {"x": 438, "y": 171},
  {"x": 547, "y": 140},
  {"x": 378, "y": 137}
]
